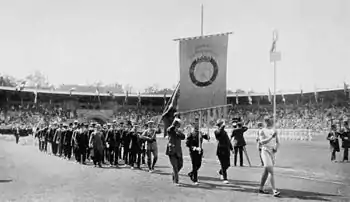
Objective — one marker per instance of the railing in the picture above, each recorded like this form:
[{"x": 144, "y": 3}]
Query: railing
[{"x": 283, "y": 134}]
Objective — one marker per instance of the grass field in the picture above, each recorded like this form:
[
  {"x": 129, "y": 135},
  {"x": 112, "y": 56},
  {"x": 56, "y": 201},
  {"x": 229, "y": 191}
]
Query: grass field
[{"x": 304, "y": 173}]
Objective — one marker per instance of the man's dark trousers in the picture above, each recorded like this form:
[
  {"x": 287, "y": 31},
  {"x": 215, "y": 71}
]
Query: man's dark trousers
[
  {"x": 196, "y": 159},
  {"x": 240, "y": 150}
]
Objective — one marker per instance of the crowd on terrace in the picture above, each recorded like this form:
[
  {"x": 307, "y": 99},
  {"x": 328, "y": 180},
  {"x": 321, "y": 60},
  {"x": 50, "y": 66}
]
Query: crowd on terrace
[{"x": 311, "y": 116}]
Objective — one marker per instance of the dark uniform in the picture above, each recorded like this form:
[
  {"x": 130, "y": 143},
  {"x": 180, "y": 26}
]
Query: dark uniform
[
  {"x": 143, "y": 150},
  {"x": 42, "y": 138},
  {"x": 53, "y": 141},
  {"x": 49, "y": 139},
  {"x": 126, "y": 145},
  {"x": 111, "y": 145},
  {"x": 174, "y": 150},
  {"x": 45, "y": 138},
  {"x": 117, "y": 149},
  {"x": 59, "y": 140},
  {"x": 63, "y": 137},
  {"x": 223, "y": 149},
  {"x": 82, "y": 144},
  {"x": 196, "y": 152},
  {"x": 90, "y": 131},
  {"x": 75, "y": 145},
  {"x": 121, "y": 133},
  {"x": 97, "y": 143},
  {"x": 38, "y": 135},
  {"x": 17, "y": 134},
  {"x": 67, "y": 142},
  {"x": 333, "y": 142},
  {"x": 345, "y": 136},
  {"x": 135, "y": 149},
  {"x": 239, "y": 143},
  {"x": 104, "y": 153}
]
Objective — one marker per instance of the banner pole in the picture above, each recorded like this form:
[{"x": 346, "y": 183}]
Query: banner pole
[
  {"x": 195, "y": 110},
  {"x": 199, "y": 128},
  {"x": 274, "y": 94}
]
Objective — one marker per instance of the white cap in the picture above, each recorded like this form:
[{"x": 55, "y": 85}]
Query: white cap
[{"x": 177, "y": 120}]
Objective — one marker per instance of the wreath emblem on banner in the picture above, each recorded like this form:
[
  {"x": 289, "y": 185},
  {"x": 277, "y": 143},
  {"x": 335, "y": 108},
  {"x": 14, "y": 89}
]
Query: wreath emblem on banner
[{"x": 203, "y": 71}]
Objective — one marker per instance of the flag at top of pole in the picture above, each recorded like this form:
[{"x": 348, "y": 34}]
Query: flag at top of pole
[{"x": 274, "y": 55}]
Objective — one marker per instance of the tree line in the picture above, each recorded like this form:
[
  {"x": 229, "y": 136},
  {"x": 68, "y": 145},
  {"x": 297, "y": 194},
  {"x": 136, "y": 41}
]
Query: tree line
[{"x": 38, "y": 80}]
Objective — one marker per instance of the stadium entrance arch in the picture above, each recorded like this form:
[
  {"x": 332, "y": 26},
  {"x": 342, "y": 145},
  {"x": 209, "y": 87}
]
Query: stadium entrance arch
[
  {"x": 100, "y": 116},
  {"x": 98, "y": 119}
]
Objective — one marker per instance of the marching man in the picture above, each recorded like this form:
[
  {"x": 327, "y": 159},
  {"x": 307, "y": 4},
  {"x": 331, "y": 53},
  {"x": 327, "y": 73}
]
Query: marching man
[
  {"x": 194, "y": 143},
  {"x": 224, "y": 149},
  {"x": 149, "y": 135},
  {"x": 269, "y": 145},
  {"x": 174, "y": 150},
  {"x": 345, "y": 136}
]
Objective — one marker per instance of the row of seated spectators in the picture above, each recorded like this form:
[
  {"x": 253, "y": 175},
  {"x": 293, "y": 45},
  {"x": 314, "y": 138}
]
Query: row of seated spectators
[
  {"x": 317, "y": 117},
  {"x": 26, "y": 118},
  {"x": 312, "y": 116}
]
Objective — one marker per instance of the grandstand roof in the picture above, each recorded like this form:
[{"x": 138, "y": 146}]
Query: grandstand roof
[{"x": 45, "y": 91}]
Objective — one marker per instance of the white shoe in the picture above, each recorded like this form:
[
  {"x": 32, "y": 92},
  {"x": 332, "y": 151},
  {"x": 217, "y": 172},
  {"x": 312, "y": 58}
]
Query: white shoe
[
  {"x": 150, "y": 171},
  {"x": 276, "y": 193},
  {"x": 196, "y": 183},
  {"x": 221, "y": 176},
  {"x": 225, "y": 182},
  {"x": 132, "y": 168}
]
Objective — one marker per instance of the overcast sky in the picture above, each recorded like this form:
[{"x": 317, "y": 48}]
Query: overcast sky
[{"x": 130, "y": 41}]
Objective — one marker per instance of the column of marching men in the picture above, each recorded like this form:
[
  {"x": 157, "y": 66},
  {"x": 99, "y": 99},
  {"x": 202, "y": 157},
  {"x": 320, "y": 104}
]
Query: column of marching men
[
  {"x": 131, "y": 143},
  {"x": 107, "y": 144}
]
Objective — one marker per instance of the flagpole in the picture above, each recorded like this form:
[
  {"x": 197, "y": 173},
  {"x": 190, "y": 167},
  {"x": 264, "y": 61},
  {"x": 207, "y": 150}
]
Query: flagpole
[
  {"x": 168, "y": 104},
  {"x": 202, "y": 18},
  {"x": 274, "y": 60},
  {"x": 274, "y": 93},
  {"x": 274, "y": 57},
  {"x": 200, "y": 112}
]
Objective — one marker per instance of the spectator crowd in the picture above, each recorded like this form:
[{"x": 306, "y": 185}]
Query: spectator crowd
[{"x": 311, "y": 116}]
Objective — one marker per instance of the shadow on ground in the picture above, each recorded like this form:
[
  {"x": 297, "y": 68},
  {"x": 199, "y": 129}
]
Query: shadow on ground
[
  {"x": 211, "y": 183},
  {"x": 5, "y": 181}
]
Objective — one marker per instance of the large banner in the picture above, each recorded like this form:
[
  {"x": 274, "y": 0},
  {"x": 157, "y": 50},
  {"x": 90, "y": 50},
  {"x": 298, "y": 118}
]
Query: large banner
[{"x": 203, "y": 62}]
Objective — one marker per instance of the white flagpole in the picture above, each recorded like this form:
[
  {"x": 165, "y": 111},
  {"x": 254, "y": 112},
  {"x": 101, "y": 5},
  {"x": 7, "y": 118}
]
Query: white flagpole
[
  {"x": 275, "y": 37},
  {"x": 202, "y": 20},
  {"x": 274, "y": 57}
]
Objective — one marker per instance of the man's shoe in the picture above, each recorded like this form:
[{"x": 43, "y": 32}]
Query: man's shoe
[
  {"x": 276, "y": 193},
  {"x": 261, "y": 191}
]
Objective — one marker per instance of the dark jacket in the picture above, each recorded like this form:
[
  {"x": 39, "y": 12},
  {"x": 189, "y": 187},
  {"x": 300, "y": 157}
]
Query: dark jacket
[
  {"x": 237, "y": 135},
  {"x": 50, "y": 134},
  {"x": 174, "y": 144},
  {"x": 135, "y": 141},
  {"x": 97, "y": 141},
  {"x": 82, "y": 139},
  {"x": 111, "y": 138},
  {"x": 118, "y": 135},
  {"x": 224, "y": 144},
  {"x": 334, "y": 143},
  {"x": 126, "y": 138},
  {"x": 68, "y": 137},
  {"x": 193, "y": 140},
  {"x": 57, "y": 138},
  {"x": 345, "y": 137}
]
